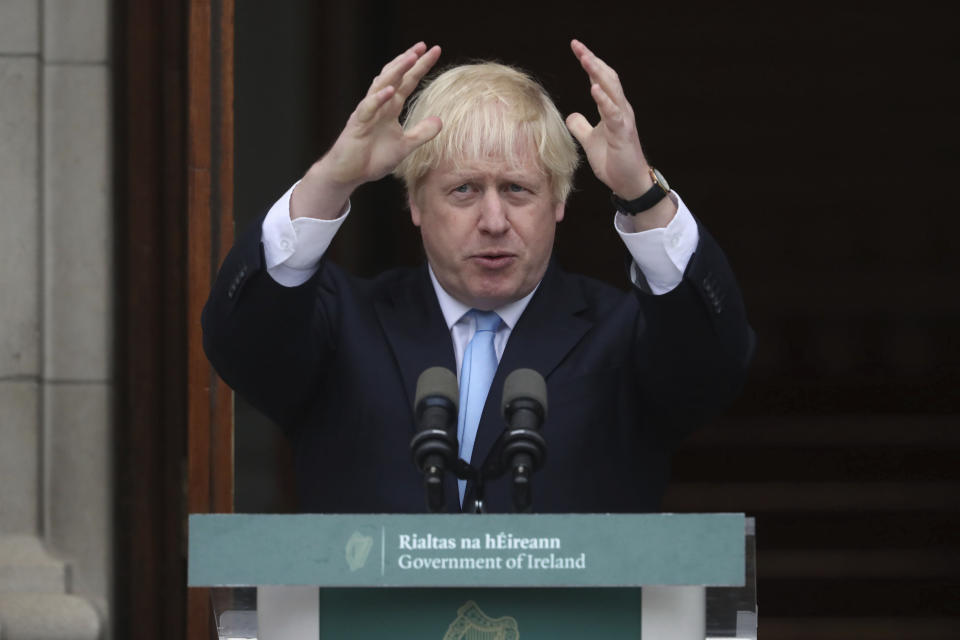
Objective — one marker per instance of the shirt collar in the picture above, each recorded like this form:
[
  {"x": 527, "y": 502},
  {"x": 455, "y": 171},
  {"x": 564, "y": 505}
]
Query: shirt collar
[{"x": 453, "y": 309}]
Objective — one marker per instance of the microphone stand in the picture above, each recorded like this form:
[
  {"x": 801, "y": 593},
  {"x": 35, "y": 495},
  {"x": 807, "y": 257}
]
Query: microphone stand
[{"x": 520, "y": 449}]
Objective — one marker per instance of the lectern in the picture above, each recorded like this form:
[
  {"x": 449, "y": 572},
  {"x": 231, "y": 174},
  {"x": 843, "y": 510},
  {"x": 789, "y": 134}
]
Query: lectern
[{"x": 453, "y": 577}]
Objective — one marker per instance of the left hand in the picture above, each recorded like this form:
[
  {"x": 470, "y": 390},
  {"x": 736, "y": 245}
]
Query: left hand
[{"x": 613, "y": 146}]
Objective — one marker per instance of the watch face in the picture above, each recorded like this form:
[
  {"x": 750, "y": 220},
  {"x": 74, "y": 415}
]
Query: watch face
[{"x": 661, "y": 180}]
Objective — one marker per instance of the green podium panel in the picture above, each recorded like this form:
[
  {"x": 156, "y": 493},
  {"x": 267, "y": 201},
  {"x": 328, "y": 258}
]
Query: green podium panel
[
  {"x": 454, "y": 577},
  {"x": 574, "y": 550},
  {"x": 531, "y": 614}
]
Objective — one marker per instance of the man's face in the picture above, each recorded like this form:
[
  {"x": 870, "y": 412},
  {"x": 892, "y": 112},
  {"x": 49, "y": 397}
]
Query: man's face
[{"x": 487, "y": 229}]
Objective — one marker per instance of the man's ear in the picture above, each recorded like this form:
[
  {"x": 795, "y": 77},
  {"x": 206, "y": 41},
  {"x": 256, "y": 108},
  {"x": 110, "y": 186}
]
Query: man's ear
[
  {"x": 414, "y": 210},
  {"x": 559, "y": 211}
]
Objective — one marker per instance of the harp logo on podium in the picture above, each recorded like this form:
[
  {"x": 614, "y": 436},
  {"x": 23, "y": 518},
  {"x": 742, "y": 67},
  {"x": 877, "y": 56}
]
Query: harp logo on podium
[
  {"x": 358, "y": 550},
  {"x": 473, "y": 624}
]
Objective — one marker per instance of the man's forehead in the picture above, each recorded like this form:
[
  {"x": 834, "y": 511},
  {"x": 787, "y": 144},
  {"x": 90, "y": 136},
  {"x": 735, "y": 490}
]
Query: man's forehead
[{"x": 522, "y": 167}]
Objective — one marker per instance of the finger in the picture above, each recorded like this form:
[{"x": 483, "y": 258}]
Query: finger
[
  {"x": 610, "y": 112},
  {"x": 403, "y": 59},
  {"x": 391, "y": 74},
  {"x": 610, "y": 81},
  {"x": 414, "y": 75},
  {"x": 605, "y": 76},
  {"x": 393, "y": 71},
  {"x": 600, "y": 72},
  {"x": 369, "y": 106},
  {"x": 584, "y": 54},
  {"x": 580, "y": 50},
  {"x": 579, "y": 127},
  {"x": 422, "y": 132}
]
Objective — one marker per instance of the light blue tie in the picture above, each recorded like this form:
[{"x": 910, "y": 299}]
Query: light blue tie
[{"x": 476, "y": 374}]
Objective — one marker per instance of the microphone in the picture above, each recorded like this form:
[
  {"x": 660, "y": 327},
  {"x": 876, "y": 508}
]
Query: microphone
[
  {"x": 434, "y": 445},
  {"x": 524, "y": 449}
]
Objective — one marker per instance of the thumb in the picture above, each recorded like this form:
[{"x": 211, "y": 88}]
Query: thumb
[
  {"x": 422, "y": 132},
  {"x": 579, "y": 127}
]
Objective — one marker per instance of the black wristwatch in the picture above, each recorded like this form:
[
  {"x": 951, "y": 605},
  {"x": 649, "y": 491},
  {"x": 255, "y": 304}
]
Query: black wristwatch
[{"x": 654, "y": 194}]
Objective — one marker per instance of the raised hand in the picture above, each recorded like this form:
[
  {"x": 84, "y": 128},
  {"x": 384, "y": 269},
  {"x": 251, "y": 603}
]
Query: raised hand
[
  {"x": 372, "y": 143},
  {"x": 613, "y": 146}
]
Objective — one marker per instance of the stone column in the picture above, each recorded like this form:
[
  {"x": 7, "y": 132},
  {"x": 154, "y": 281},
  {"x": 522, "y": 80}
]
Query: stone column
[{"x": 56, "y": 296}]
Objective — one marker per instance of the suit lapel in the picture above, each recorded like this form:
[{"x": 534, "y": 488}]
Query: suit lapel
[
  {"x": 418, "y": 336},
  {"x": 548, "y": 329},
  {"x": 416, "y": 331}
]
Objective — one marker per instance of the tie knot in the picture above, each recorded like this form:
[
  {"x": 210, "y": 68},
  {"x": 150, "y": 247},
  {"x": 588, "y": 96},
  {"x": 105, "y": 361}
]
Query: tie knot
[{"x": 486, "y": 320}]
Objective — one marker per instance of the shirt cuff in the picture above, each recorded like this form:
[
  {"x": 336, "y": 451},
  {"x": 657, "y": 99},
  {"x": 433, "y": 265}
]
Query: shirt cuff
[
  {"x": 293, "y": 248},
  {"x": 662, "y": 254}
]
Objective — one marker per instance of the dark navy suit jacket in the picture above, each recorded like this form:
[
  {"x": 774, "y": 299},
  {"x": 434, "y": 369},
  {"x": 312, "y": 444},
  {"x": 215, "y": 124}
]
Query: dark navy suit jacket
[{"x": 335, "y": 362}]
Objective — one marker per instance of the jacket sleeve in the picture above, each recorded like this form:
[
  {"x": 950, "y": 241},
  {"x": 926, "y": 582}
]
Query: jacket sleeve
[
  {"x": 694, "y": 344},
  {"x": 268, "y": 341}
]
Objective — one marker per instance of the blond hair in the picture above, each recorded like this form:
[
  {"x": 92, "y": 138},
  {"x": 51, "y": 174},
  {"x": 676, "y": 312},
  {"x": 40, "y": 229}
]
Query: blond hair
[{"x": 490, "y": 112}]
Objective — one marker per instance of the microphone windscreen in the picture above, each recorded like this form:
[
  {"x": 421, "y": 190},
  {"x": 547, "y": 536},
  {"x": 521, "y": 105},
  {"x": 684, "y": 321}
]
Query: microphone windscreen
[
  {"x": 525, "y": 383},
  {"x": 437, "y": 381}
]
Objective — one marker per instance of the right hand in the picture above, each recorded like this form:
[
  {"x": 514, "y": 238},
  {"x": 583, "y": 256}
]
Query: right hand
[{"x": 372, "y": 143}]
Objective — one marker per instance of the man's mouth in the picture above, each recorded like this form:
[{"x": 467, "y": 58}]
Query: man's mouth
[{"x": 493, "y": 259}]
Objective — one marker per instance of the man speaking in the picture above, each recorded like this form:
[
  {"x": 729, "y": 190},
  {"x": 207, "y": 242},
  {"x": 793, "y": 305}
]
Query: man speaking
[{"x": 488, "y": 162}]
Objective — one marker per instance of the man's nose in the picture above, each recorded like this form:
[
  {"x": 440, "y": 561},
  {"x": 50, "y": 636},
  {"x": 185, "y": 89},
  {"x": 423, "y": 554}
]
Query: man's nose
[{"x": 493, "y": 213}]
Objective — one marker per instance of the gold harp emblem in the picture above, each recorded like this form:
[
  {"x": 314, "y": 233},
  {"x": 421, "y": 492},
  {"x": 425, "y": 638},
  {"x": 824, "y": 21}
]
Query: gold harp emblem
[{"x": 473, "y": 624}]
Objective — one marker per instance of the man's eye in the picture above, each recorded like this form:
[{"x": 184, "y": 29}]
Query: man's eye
[
  {"x": 515, "y": 188},
  {"x": 464, "y": 188}
]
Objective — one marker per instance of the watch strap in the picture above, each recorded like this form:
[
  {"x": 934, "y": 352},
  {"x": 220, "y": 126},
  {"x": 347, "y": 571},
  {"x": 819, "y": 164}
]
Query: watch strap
[{"x": 648, "y": 200}]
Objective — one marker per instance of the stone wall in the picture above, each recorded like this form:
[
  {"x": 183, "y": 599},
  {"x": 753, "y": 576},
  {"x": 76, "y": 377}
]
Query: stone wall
[{"x": 56, "y": 297}]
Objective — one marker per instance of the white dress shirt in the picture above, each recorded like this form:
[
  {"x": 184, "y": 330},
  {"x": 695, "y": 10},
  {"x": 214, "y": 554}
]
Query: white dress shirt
[{"x": 293, "y": 249}]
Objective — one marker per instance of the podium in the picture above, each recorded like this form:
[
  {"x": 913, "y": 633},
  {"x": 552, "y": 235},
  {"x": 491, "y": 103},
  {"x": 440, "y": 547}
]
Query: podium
[{"x": 453, "y": 577}]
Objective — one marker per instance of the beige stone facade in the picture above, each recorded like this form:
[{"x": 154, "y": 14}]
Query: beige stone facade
[{"x": 56, "y": 314}]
